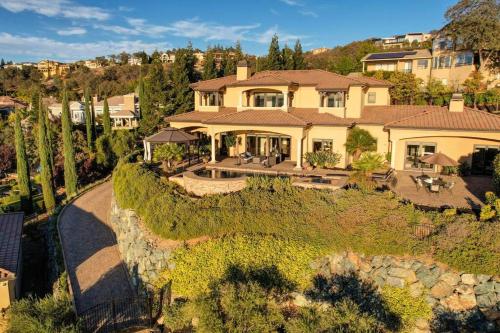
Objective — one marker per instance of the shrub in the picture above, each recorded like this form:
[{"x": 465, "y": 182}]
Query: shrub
[
  {"x": 199, "y": 266},
  {"x": 323, "y": 159},
  {"x": 449, "y": 212},
  {"x": 48, "y": 314},
  {"x": 168, "y": 154},
  {"x": 405, "y": 306},
  {"x": 487, "y": 213},
  {"x": 359, "y": 141},
  {"x": 105, "y": 155},
  {"x": 496, "y": 174},
  {"x": 369, "y": 162},
  {"x": 489, "y": 198}
]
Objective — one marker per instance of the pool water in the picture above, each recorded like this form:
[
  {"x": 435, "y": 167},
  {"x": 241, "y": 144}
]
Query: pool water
[{"x": 217, "y": 174}]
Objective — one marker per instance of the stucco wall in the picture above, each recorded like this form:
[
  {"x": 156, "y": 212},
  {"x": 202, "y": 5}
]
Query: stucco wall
[
  {"x": 201, "y": 186},
  {"x": 377, "y": 131},
  {"x": 458, "y": 145},
  {"x": 7, "y": 292},
  {"x": 382, "y": 96},
  {"x": 337, "y": 134}
]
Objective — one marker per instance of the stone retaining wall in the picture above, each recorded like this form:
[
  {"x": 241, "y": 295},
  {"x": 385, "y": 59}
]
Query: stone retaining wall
[
  {"x": 144, "y": 258},
  {"x": 451, "y": 290},
  {"x": 200, "y": 186}
]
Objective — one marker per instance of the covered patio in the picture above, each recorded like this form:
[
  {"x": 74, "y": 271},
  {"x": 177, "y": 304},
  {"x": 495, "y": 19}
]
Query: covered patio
[{"x": 169, "y": 135}]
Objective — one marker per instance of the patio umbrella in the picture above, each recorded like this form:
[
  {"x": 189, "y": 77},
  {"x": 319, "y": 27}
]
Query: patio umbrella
[{"x": 439, "y": 159}]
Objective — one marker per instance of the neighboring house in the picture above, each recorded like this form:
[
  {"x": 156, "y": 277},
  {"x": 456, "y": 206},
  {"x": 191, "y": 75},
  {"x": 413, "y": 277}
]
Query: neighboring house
[
  {"x": 135, "y": 61},
  {"x": 293, "y": 112},
  {"x": 50, "y": 68},
  {"x": 76, "y": 108},
  {"x": 200, "y": 60},
  {"x": 418, "y": 62},
  {"x": 400, "y": 41},
  {"x": 20, "y": 65},
  {"x": 451, "y": 67},
  {"x": 167, "y": 58},
  {"x": 11, "y": 230},
  {"x": 124, "y": 110},
  {"x": 92, "y": 64},
  {"x": 9, "y": 104},
  {"x": 319, "y": 50}
]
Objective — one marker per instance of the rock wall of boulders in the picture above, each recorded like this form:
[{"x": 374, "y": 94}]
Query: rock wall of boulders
[
  {"x": 141, "y": 254},
  {"x": 441, "y": 286}
]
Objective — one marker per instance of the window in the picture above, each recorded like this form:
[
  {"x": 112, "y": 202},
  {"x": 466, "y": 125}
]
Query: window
[
  {"x": 322, "y": 145},
  {"x": 372, "y": 97},
  {"x": 268, "y": 100},
  {"x": 408, "y": 67},
  {"x": 335, "y": 100},
  {"x": 442, "y": 62},
  {"x": 415, "y": 150},
  {"x": 422, "y": 63},
  {"x": 385, "y": 67},
  {"x": 464, "y": 59}
]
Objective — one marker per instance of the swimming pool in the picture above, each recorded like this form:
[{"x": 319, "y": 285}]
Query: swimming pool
[{"x": 223, "y": 174}]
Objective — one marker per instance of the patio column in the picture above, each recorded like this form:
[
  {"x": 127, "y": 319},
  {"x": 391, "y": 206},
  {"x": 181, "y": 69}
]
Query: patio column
[
  {"x": 393, "y": 155},
  {"x": 298, "y": 166},
  {"x": 213, "y": 148},
  {"x": 285, "y": 100},
  {"x": 147, "y": 150}
]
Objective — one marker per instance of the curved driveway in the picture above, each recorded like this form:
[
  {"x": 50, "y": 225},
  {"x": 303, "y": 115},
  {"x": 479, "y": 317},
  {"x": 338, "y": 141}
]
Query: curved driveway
[{"x": 96, "y": 271}]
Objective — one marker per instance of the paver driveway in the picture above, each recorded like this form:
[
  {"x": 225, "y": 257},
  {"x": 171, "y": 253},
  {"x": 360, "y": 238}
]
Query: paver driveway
[{"x": 95, "y": 268}]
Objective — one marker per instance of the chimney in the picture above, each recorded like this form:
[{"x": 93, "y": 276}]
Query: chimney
[
  {"x": 242, "y": 70},
  {"x": 129, "y": 102},
  {"x": 457, "y": 103}
]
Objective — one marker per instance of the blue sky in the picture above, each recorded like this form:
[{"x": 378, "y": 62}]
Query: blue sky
[{"x": 69, "y": 30}]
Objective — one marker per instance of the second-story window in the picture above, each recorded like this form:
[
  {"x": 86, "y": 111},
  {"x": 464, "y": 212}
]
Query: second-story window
[
  {"x": 212, "y": 99},
  {"x": 464, "y": 59},
  {"x": 422, "y": 63},
  {"x": 442, "y": 62},
  {"x": 262, "y": 100},
  {"x": 335, "y": 100},
  {"x": 372, "y": 97}
]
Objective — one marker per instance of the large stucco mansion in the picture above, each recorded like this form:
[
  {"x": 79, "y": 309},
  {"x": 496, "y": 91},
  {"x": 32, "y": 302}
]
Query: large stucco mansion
[{"x": 292, "y": 112}]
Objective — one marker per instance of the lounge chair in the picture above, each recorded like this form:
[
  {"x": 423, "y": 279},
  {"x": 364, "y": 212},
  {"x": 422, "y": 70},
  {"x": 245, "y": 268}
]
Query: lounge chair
[
  {"x": 384, "y": 177},
  {"x": 449, "y": 187},
  {"x": 246, "y": 157}
]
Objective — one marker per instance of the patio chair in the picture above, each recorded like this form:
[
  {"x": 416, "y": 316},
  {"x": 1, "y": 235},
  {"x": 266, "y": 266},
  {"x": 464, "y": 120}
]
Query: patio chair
[
  {"x": 246, "y": 157},
  {"x": 384, "y": 177},
  {"x": 419, "y": 183},
  {"x": 434, "y": 188},
  {"x": 449, "y": 187}
]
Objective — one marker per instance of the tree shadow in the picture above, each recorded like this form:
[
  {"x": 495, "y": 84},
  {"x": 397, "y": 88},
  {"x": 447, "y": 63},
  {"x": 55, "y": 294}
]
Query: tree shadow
[
  {"x": 465, "y": 321},
  {"x": 350, "y": 287}
]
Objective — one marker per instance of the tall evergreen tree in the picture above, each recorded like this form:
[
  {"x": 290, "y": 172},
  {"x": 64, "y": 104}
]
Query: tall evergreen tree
[
  {"x": 44, "y": 111},
  {"x": 287, "y": 56},
  {"x": 35, "y": 102},
  {"x": 45, "y": 171},
  {"x": 182, "y": 95},
  {"x": 106, "y": 120},
  {"x": 70, "y": 176},
  {"x": 274, "y": 61},
  {"x": 92, "y": 111},
  {"x": 88, "y": 121},
  {"x": 154, "y": 102},
  {"x": 298, "y": 56},
  {"x": 23, "y": 173},
  {"x": 209, "y": 67},
  {"x": 142, "y": 96}
]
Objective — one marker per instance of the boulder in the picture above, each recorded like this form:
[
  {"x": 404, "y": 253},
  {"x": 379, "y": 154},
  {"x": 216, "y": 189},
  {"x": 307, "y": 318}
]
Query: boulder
[
  {"x": 457, "y": 302},
  {"x": 403, "y": 273},
  {"x": 299, "y": 300},
  {"x": 429, "y": 277},
  {"x": 380, "y": 272},
  {"x": 487, "y": 300},
  {"x": 365, "y": 267},
  {"x": 469, "y": 279},
  {"x": 387, "y": 261},
  {"x": 377, "y": 261},
  {"x": 441, "y": 289},
  {"x": 483, "y": 278},
  {"x": 484, "y": 288},
  {"x": 395, "y": 282},
  {"x": 354, "y": 259},
  {"x": 465, "y": 289},
  {"x": 451, "y": 278},
  {"x": 416, "y": 289}
]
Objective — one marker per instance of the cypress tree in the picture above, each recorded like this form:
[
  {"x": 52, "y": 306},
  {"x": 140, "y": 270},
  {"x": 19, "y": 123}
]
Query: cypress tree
[
  {"x": 88, "y": 121},
  {"x": 298, "y": 56},
  {"x": 274, "y": 61},
  {"x": 23, "y": 173},
  {"x": 35, "y": 102},
  {"x": 106, "y": 120},
  {"x": 70, "y": 176},
  {"x": 142, "y": 101},
  {"x": 45, "y": 113},
  {"x": 288, "y": 61},
  {"x": 92, "y": 110},
  {"x": 45, "y": 172},
  {"x": 182, "y": 94},
  {"x": 209, "y": 68}
]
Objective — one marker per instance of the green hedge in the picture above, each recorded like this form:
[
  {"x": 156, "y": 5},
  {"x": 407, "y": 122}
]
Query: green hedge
[{"x": 496, "y": 174}]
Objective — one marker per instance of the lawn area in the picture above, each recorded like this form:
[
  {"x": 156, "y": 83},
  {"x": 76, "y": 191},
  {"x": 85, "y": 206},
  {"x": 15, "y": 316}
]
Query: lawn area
[{"x": 365, "y": 222}]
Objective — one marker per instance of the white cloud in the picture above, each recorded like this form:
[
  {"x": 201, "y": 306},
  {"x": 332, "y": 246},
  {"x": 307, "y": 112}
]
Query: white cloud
[
  {"x": 125, "y": 9},
  {"x": 308, "y": 13},
  {"x": 53, "y": 8},
  {"x": 72, "y": 32},
  {"x": 37, "y": 47},
  {"x": 267, "y": 35},
  {"x": 292, "y": 2}
]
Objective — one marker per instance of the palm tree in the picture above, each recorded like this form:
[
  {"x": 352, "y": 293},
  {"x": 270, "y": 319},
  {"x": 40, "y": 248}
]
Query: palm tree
[
  {"x": 368, "y": 162},
  {"x": 359, "y": 141},
  {"x": 168, "y": 154}
]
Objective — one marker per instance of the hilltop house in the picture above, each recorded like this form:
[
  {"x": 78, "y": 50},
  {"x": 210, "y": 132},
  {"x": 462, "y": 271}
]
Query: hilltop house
[
  {"x": 76, "y": 108},
  {"x": 50, "y": 68},
  {"x": 292, "y": 112}
]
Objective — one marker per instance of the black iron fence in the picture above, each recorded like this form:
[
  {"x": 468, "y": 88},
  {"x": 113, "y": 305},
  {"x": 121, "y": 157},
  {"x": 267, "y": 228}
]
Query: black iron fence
[{"x": 121, "y": 314}]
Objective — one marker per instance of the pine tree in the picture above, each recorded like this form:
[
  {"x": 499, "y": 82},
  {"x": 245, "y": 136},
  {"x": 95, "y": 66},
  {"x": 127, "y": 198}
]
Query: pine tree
[
  {"x": 106, "y": 120},
  {"x": 45, "y": 171},
  {"x": 88, "y": 121},
  {"x": 287, "y": 56},
  {"x": 23, "y": 173},
  {"x": 274, "y": 61},
  {"x": 154, "y": 100},
  {"x": 142, "y": 96},
  {"x": 298, "y": 56},
  {"x": 182, "y": 95},
  {"x": 209, "y": 67},
  {"x": 70, "y": 176}
]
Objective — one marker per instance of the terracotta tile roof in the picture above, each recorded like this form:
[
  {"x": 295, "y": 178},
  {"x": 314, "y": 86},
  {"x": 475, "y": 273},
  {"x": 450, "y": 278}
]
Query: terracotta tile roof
[
  {"x": 123, "y": 114},
  {"x": 199, "y": 116},
  {"x": 318, "y": 78},
  {"x": 312, "y": 116},
  {"x": 11, "y": 229},
  {"x": 380, "y": 115},
  {"x": 441, "y": 118},
  {"x": 259, "y": 117},
  {"x": 10, "y": 102},
  {"x": 214, "y": 84}
]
